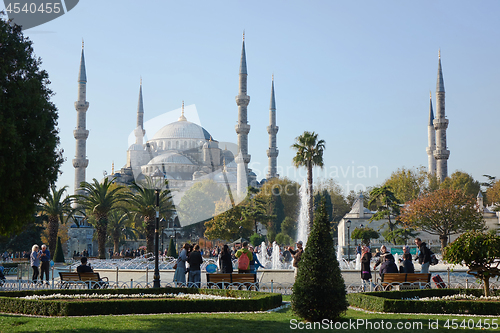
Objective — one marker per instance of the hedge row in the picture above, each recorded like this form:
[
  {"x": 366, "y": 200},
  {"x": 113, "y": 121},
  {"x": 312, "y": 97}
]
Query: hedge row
[
  {"x": 401, "y": 302},
  {"x": 251, "y": 301}
]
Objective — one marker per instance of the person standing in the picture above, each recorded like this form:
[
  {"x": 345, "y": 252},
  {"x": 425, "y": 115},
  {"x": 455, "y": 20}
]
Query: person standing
[
  {"x": 366, "y": 257},
  {"x": 225, "y": 262},
  {"x": 45, "y": 259},
  {"x": 297, "y": 255},
  {"x": 254, "y": 263},
  {"x": 195, "y": 260},
  {"x": 35, "y": 262},
  {"x": 244, "y": 263},
  {"x": 423, "y": 256},
  {"x": 180, "y": 271}
]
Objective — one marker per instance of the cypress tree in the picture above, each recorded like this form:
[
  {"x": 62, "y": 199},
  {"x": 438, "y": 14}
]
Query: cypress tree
[
  {"x": 319, "y": 290},
  {"x": 171, "y": 249},
  {"x": 58, "y": 254}
]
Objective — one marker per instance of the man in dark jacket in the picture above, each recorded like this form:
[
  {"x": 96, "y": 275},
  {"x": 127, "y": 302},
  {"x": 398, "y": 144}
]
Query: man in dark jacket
[
  {"x": 83, "y": 268},
  {"x": 424, "y": 256},
  {"x": 195, "y": 260},
  {"x": 389, "y": 266}
]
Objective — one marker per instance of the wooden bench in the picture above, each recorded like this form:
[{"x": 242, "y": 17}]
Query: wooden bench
[
  {"x": 240, "y": 280},
  {"x": 20, "y": 260},
  {"x": 405, "y": 280},
  {"x": 92, "y": 280}
]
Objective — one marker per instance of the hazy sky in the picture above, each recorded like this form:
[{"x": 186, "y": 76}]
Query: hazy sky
[{"x": 358, "y": 73}]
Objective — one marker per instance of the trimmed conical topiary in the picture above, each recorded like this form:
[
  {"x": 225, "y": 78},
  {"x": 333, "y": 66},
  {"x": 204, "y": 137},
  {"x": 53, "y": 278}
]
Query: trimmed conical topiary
[
  {"x": 59, "y": 255},
  {"x": 319, "y": 290},
  {"x": 171, "y": 249}
]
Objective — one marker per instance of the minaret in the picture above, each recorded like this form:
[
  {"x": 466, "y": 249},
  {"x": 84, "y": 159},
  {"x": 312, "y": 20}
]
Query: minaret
[
  {"x": 441, "y": 154},
  {"x": 80, "y": 162},
  {"x": 272, "y": 129},
  {"x": 431, "y": 134},
  {"x": 242, "y": 128},
  {"x": 480, "y": 203},
  {"x": 139, "y": 130}
]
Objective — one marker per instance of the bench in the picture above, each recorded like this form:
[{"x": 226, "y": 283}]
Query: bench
[
  {"x": 405, "y": 280},
  {"x": 20, "y": 260},
  {"x": 92, "y": 280},
  {"x": 241, "y": 280}
]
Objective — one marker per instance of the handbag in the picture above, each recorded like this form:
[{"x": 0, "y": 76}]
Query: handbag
[{"x": 175, "y": 266}]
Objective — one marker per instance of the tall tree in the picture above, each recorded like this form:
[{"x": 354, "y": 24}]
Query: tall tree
[
  {"x": 55, "y": 210},
  {"x": 386, "y": 205},
  {"x": 98, "y": 200},
  {"x": 462, "y": 181},
  {"x": 309, "y": 153},
  {"x": 228, "y": 225},
  {"x": 443, "y": 212},
  {"x": 120, "y": 227},
  {"x": 493, "y": 194},
  {"x": 30, "y": 156},
  {"x": 407, "y": 184},
  {"x": 143, "y": 201},
  {"x": 198, "y": 203}
]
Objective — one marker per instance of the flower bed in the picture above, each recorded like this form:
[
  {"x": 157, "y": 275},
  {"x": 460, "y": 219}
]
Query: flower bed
[
  {"x": 135, "y": 301},
  {"x": 411, "y": 301}
]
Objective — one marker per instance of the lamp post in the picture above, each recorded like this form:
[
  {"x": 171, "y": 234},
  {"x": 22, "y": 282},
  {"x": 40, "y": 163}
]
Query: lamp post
[
  {"x": 162, "y": 232},
  {"x": 157, "y": 177},
  {"x": 348, "y": 240}
]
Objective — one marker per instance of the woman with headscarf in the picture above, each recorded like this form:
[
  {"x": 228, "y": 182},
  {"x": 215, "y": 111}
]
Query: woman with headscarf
[{"x": 366, "y": 257}]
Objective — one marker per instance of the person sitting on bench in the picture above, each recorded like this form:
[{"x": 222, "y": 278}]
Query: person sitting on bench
[{"x": 83, "y": 268}]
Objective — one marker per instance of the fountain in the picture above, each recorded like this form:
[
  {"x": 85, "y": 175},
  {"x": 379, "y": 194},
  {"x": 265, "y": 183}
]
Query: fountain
[
  {"x": 358, "y": 262},
  {"x": 263, "y": 257},
  {"x": 303, "y": 224},
  {"x": 275, "y": 257}
]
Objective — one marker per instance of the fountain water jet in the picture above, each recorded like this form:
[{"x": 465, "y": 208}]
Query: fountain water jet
[{"x": 303, "y": 225}]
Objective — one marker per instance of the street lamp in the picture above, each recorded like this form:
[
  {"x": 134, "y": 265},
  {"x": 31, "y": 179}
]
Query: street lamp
[
  {"x": 157, "y": 177},
  {"x": 162, "y": 232},
  {"x": 348, "y": 222}
]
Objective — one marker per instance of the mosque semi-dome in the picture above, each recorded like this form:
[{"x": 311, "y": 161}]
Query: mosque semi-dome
[{"x": 173, "y": 158}]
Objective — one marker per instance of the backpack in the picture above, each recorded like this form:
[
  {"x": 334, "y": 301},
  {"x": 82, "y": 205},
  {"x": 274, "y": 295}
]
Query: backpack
[
  {"x": 243, "y": 262},
  {"x": 434, "y": 259}
]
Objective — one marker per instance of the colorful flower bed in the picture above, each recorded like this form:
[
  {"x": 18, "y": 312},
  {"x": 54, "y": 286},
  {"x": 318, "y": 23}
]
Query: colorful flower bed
[{"x": 135, "y": 301}]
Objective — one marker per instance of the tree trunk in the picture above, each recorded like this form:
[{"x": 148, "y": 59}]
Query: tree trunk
[
  {"x": 53, "y": 230},
  {"x": 444, "y": 241},
  {"x": 486, "y": 281},
  {"x": 149, "y": 222},
  {"x": 310, "y": 190},
  {"x": 101, "y": 238},
  {"x": 116, "y": 243}
]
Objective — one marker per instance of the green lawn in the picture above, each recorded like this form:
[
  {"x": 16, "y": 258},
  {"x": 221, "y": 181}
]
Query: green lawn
[{"x": 207, "y": 323}]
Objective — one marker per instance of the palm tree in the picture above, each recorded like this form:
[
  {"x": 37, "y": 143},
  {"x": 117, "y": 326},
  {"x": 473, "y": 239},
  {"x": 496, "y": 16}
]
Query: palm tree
[
  {"x": 119, "y": 228},
  {"x": 99, "y": 200},
  {"x": 53, "y": 210},
  {"x": 309, "y": 154},
  {"x": 143, "y": 202}
]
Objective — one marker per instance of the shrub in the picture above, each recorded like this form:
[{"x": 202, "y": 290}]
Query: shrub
[
  {"x": 319, "y": 290},
  {"x": 58, "y": 254},
  {"x": 257, "y": 239},
  {"x": 283, "y": 239}
]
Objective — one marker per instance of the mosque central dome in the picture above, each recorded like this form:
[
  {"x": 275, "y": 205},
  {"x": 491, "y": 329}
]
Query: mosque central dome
[{"x": 182, "y": 130}]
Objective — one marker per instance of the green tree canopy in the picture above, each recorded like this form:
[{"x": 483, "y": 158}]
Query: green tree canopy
[
  {"x": 407, "y": 184},
  {"x": 480, "y": 252},
  {"x": 443, "y": 212},
  {"x": 462, "y": 181},
  {"x": 198, "y": 203},
  {"x": 30, "y": 156},
  {"x": 386, "y": 204},
  {"x": 365, "y": 234}
]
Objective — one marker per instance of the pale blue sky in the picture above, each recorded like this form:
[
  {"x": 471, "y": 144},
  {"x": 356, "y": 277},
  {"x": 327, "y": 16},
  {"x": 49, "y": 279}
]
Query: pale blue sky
[{"x": 356, "y": 72}]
